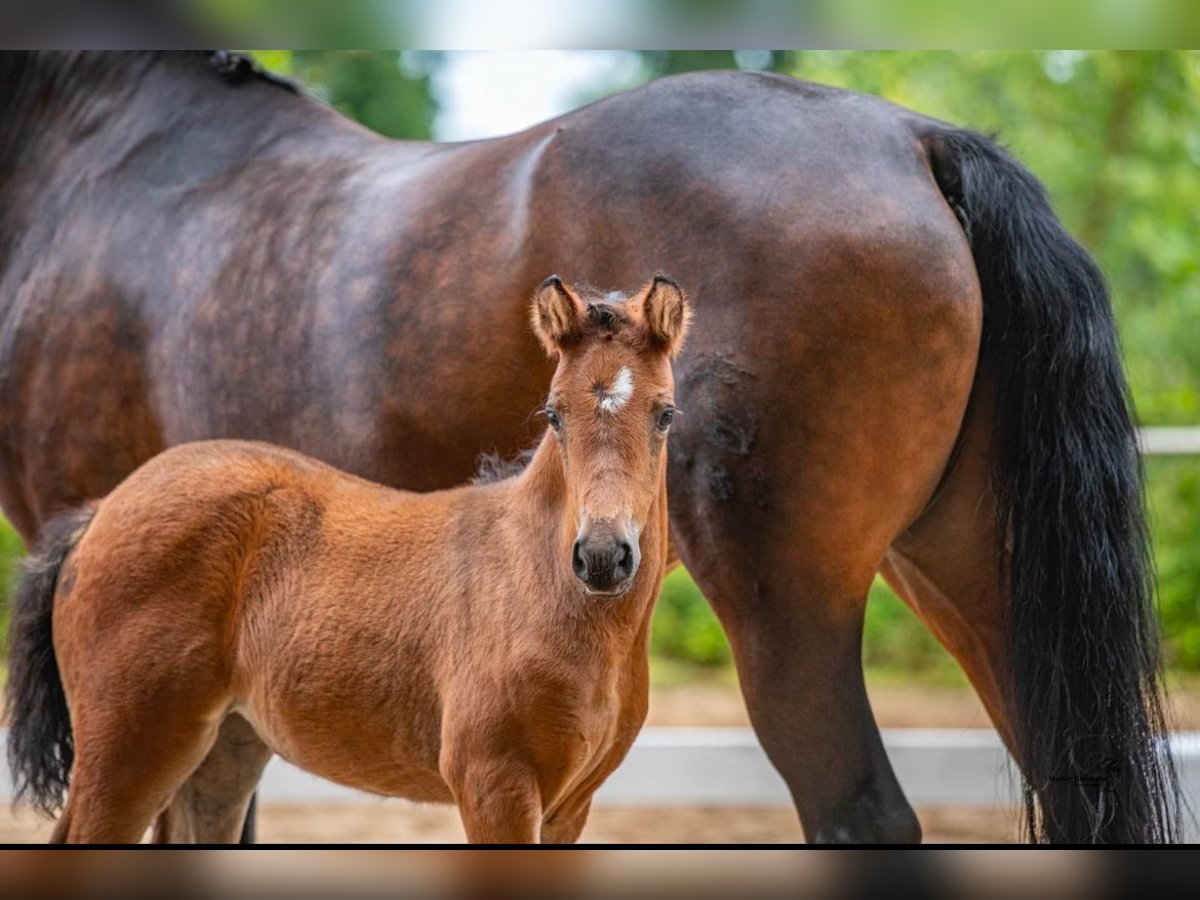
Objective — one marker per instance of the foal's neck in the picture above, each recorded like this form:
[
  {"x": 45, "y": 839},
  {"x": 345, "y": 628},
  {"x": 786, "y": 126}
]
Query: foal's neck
[{"x": 543, "y": 482}]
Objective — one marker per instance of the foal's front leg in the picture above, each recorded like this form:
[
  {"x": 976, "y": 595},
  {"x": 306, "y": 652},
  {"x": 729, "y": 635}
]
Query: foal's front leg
[
  {"x": 565, "y": 824},
  {"x": 499, "y": 802}
]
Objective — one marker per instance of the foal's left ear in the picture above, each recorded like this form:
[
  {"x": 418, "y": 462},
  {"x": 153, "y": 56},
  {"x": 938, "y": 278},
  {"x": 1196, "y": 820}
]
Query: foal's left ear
[{"x": 666, "y": 313}]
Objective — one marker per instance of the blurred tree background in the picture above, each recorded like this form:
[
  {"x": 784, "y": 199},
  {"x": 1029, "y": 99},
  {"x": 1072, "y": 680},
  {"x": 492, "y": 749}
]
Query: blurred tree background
[{"x": 1115, "y": 136}]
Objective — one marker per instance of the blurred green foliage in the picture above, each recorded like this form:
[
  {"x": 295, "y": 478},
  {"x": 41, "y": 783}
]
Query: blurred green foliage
[
  {"x": 1174, "y": 497},
  {"x": 1116, "y": 138},
  {"x": 386, "y": 90},
  {"x": 299, "y": 23},
  {"x": 10, "y": 556},
  {"x": 684, "y": 626},
  {"x": 894, "y": 640}
]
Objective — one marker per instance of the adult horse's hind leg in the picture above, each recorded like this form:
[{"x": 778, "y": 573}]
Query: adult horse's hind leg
[
  {"x": 946, "y": 567},
  {"x": 211, "y": 805},
  {"x": 810, "y": 438},
  {"x": 797, "y": 645}
]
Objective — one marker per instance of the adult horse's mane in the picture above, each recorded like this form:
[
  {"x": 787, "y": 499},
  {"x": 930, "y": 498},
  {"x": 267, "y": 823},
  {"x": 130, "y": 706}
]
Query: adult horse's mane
[
  {"x": 235, "y": 68},
  {"x": 42, "y": 69},
  {"x": 68, "y": 84}
]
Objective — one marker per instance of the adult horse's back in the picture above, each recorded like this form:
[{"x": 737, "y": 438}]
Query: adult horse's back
[{"x": 901, "y": 362}]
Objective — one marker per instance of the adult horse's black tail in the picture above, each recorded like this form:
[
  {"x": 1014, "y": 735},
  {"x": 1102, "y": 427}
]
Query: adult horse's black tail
[
  {"x": 40, "y": 746},
  {"x": 1082, "y": 628}
]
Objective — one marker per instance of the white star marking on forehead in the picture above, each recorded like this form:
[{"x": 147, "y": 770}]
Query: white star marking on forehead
[{"x": 619, "y": 393}]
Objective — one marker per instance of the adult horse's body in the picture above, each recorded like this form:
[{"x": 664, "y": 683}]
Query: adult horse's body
[{"x": 182, "y": 258}]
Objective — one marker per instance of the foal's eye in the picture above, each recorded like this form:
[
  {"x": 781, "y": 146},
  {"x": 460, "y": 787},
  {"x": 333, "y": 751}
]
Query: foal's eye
[
  {"x": 553, "y": 419},
  {"x": 665, "y": 418}
]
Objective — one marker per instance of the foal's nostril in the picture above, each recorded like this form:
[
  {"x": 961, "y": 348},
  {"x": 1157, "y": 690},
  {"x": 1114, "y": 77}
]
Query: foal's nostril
[
  {"x": 622, "y": 559},
  {"x": 578, "y": 564}
]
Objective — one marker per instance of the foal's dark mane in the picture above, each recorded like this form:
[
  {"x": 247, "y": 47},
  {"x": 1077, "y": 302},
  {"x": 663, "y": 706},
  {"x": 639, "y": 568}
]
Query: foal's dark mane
[
  {"x": 604, "y": 308},
  {"x": 494, "y": 467}
]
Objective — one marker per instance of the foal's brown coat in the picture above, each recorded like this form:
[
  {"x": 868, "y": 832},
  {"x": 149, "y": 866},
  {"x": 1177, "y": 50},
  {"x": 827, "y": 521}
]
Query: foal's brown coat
[{"x": 231, "y": 600}]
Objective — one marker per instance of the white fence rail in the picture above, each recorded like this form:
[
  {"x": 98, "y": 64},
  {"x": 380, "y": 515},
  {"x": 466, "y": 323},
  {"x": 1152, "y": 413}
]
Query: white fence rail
[{"x": 1163, "y": 441}]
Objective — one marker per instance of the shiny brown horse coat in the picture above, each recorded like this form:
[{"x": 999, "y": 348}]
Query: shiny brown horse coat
[
  {"x": 187, "y": 259},
  {"x": 233, "y": 599}
]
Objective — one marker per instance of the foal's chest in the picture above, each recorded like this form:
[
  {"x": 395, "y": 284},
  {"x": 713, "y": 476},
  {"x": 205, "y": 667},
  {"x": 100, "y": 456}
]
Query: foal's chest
[{"x": 579, "y": 748}]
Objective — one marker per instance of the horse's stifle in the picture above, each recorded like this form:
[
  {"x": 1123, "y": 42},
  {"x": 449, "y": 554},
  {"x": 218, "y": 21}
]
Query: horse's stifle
[{"x": 485, "y": 646}]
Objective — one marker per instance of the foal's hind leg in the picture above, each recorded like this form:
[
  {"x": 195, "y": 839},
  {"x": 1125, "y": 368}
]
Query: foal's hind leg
[
  {"x": 211, "y": 805},
  {"x": 147, "y": 692},
  {"x": 126, "y": 772}
]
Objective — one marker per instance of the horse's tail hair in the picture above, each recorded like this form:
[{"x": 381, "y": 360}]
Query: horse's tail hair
[
  {"x": 40, "y": 744},
  {"x": 1083, "y": 640}
]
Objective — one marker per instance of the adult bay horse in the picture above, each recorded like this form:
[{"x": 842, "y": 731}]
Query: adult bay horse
[
  {"x": 902, "y": 363},
  {"x": 485, "y": 645}
]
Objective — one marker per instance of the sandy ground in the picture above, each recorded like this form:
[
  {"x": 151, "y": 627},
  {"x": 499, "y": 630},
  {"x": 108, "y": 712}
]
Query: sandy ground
[
  {"x": 396, "y": 821},
  {"x": 705, "y": 703},
  {"x": 895, "y": 706}
]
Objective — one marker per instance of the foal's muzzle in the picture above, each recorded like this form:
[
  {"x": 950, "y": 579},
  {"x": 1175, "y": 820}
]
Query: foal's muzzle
[{"x": 605, "y": 558}]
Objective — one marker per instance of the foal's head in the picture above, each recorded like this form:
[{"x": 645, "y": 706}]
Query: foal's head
[{"x": 610, "y": 407}]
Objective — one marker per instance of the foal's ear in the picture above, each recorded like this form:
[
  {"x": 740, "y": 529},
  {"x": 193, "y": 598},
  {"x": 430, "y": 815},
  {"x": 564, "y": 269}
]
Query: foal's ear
[
  {"x": 666, "y": 313},
  {"x": 557, "y": 314}
]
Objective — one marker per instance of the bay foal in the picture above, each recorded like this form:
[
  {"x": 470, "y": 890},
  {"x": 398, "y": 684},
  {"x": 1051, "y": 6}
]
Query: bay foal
[{"x": 485, "y": 646}]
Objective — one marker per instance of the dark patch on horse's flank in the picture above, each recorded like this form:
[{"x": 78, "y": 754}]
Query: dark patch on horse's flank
[
  {"x": 760, "y": 489},
  {"x": 731, "y": 436},
  {"x": 719, "y": 367},
  {"x": 760, "y": 593},
  {"x": 720, "y": 483},
  {"x": 493, "y": 467}
]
